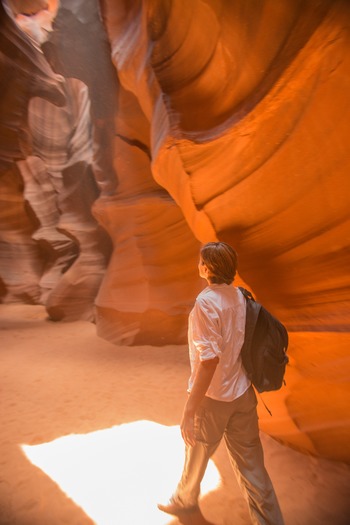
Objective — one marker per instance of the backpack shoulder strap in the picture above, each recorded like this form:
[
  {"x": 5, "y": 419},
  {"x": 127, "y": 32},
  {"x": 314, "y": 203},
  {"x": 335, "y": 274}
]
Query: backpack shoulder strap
[
  {"x": 253, "y": 309},
  {"x": 247, "y": 294},
  {"x": 252, "y": 313}
]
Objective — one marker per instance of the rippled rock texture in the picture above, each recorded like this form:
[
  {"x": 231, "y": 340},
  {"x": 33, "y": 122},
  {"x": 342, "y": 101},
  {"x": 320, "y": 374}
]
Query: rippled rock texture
[
  {"x": 174, "y": 123},
  {"x": 77, "y": 185}
]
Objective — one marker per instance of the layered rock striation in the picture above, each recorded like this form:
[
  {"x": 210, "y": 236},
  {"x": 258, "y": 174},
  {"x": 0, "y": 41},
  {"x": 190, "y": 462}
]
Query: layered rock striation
[{"x": 171, "y": 124}]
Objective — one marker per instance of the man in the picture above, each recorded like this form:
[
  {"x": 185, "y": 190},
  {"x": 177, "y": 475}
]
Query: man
[{"x": 221, "y": 401}]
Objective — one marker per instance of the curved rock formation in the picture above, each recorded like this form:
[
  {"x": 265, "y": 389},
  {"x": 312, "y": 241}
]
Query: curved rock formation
[
  {"x": 249, "y": 121},
  {"x": 232, "y": 124},
  {"x": 80, "y": 151},
  {"x": 24, "y": 74},
  {"x": 55, "y": 254}
]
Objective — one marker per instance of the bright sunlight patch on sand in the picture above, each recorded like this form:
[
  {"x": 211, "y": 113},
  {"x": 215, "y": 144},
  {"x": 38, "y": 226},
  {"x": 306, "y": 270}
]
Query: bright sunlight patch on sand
[{"x": 118, "y": 475}]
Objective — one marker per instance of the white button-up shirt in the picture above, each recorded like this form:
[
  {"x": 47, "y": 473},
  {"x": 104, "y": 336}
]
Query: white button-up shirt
[{"x": 216, "y": 329}]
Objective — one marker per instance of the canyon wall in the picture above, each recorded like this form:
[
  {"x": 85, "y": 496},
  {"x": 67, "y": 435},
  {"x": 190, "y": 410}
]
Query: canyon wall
[{"x": 171, "y": 124}]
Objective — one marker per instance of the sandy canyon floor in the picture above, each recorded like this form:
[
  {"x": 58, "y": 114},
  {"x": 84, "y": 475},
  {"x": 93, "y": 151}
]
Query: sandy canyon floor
[{"x": 90, "y": 435}]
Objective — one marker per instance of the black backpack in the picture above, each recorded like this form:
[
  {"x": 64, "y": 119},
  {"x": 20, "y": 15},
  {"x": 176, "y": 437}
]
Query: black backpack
[{"x": 264, "y": 349}]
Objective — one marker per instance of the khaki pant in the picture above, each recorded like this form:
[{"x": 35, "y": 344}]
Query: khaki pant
[{"x": 237, "y": 422}]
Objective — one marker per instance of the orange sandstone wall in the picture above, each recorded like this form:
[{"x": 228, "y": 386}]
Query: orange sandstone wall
[
  {"x": 249, "y": 114},
  {"x": 175, "y": 123}
]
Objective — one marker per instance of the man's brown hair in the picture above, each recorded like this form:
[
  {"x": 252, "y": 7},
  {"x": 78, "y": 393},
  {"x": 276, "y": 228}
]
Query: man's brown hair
[{"x": 221, "y": 260}]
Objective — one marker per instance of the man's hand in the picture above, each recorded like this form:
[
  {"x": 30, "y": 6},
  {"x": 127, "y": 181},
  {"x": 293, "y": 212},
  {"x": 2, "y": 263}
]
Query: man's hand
[
  {"x": 200, "y": 386},
  {"x": 187, "y": 429}
]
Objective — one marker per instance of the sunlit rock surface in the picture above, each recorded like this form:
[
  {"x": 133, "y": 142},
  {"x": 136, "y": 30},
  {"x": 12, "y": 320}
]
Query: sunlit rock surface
[
  {"x": 24, "y": 74},
  {"x": 93, "y": 144},
  {"x": 53, "y": 249},
  {"x": 232, "y": 124},
  {"x": 248, "y": 104}
]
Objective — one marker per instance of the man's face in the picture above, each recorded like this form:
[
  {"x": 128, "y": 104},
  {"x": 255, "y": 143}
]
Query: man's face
[{"x": 202, "y": 269}]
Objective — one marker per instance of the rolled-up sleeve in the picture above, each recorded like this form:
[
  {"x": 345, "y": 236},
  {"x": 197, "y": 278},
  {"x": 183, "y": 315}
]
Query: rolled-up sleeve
[{"x": 206, "y": 330}]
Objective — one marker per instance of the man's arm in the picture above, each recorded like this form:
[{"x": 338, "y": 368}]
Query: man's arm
[{"x": 200, "y": 386}]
